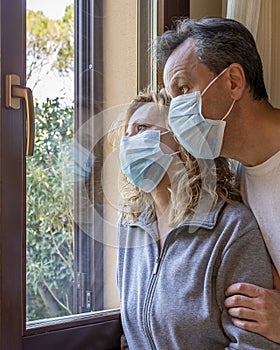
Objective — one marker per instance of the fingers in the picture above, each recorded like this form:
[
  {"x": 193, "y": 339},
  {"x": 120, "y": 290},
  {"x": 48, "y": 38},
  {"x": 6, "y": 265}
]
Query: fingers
[
  {"x": 239, "y": 301},
  {"x": 242, "y": 313},
  {"x": 246, "y": 313},
  {"x": 246, "y": 289},
  {"x": 255, "y": 309},
  {"x": 266, "y": 329},
  {"x": 245, "y": 302},
  {"x": 250, "y": 326},
  {"x": 249, "y": 297}
]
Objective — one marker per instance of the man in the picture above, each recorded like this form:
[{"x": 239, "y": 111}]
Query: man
[{"x": 224, "y": 111}]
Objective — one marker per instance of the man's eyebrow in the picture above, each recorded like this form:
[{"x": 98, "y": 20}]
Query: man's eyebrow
[
  {"x": 174, "y": 84},
  {"x": 176, "y": 80}
]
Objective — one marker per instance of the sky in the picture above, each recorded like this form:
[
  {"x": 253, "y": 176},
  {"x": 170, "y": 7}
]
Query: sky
[
  {"x": 52, "y": 8},
  {"x": 52, "y": 85}
]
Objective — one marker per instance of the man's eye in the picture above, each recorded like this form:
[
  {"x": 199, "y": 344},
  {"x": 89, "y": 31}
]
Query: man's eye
[{"x": 183, "y": 89}]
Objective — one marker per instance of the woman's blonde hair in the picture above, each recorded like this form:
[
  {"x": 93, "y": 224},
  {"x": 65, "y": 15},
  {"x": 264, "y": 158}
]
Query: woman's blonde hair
[{"x": 192, "y": 183}]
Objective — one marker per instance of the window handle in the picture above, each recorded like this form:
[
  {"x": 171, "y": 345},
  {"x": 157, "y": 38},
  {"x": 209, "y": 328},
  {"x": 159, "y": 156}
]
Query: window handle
[{"x": 14, "y": 92}]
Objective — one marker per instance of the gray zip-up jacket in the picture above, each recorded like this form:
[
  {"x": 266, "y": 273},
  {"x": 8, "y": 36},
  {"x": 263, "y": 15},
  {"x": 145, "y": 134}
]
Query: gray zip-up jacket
[{"x": 175, "y": 299}]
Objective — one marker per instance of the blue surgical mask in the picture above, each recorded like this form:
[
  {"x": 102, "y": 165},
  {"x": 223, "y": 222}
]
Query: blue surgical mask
[
  {"x": 201, "y": 137},
  {"x": 143, "y": 161}
]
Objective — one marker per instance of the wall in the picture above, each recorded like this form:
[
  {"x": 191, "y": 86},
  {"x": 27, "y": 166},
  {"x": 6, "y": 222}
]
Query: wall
[
  {"x": 120, "y": 86},
  {"x": 202, "y": 8}
]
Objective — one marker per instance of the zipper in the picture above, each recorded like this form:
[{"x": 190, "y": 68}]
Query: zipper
[
  {"x": 156, "y": 265},
  {"x": 151, "y": 288},
  {"x": 148, "y": 303}
]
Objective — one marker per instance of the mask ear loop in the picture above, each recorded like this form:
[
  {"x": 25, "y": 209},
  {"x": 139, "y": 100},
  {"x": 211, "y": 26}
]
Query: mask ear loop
[
  {"x": 213, "y": 81},
  {"x": 230, "y": 108},
  {"x": 171, "y": 154},
  {"x": 165, "y": 132}
]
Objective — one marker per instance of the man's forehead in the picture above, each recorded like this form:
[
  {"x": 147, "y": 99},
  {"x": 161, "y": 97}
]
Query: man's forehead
[{"x": 184, "y": 53}]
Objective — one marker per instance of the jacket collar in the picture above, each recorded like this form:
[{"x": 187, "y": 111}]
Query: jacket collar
[{"x": 205, "y": 216}]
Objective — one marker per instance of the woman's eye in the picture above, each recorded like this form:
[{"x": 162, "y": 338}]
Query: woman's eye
[{"x": 141, "y": 127}]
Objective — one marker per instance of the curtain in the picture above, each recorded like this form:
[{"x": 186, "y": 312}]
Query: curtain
[
  {"x": 261, "y": 18},
  {"x": 246, "y": 12}
]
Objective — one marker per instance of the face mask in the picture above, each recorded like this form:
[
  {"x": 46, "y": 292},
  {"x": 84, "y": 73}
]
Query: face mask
[
  {"x": 201, "y": 137},
  {"x": 143, "y": 161}
]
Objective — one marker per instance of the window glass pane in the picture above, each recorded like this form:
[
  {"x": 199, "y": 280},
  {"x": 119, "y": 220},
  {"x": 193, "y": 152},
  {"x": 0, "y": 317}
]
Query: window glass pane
[
  {"x": 82, "y": 67},
  {"x": 49, "y": 220}
]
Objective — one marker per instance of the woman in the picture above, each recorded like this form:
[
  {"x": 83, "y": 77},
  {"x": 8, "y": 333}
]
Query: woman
[{"x": 183, "y": 240}]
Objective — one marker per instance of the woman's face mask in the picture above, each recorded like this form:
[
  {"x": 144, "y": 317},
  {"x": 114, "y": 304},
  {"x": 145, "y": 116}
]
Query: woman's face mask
[
  {"x": 201, "y": 137},
  {"x": 143, "y": 161}
]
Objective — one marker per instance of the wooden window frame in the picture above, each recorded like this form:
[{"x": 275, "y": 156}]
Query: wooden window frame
[{"x": 168, "y": 11}]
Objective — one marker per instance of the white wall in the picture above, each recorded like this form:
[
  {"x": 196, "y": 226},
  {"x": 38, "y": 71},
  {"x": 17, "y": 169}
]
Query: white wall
[{"x": 120, "y": 86}]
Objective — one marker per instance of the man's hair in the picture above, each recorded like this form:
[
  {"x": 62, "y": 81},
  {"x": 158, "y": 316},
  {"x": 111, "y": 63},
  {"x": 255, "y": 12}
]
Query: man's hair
[{"x": 218, "y": 42}]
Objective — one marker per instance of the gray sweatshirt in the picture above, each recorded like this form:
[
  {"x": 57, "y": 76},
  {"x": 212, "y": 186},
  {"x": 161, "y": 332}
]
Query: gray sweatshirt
[{"x": 175, "y": 299}]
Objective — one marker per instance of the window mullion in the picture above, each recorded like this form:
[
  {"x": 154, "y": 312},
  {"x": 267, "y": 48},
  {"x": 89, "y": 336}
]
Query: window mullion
[{"x": 88, "y": 214}]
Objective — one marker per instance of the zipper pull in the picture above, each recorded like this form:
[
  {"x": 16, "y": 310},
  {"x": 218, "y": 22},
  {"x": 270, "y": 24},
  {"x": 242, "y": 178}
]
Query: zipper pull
[{"x": 156, "y": 265}]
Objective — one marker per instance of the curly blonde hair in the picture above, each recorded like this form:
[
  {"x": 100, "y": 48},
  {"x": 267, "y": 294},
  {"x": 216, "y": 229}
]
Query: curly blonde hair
[{"x": 190, "y": 184}]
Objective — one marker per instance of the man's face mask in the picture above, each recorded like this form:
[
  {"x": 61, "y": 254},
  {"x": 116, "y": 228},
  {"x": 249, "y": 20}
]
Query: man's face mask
[
  {"x": 143, "y": 161},
  {"x": 201, "y": 137}
]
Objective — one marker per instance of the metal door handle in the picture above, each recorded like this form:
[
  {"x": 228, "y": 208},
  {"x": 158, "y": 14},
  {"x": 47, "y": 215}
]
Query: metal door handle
[{"x": 14, "y": 92}]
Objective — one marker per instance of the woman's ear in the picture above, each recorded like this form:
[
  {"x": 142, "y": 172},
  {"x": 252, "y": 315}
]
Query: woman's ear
[{"x": 238, "y": 82}]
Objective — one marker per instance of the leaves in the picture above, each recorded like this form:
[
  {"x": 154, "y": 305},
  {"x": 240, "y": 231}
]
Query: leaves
[
  {"x": 49, "y": 43},
  {"x": 49, "y": 257}
]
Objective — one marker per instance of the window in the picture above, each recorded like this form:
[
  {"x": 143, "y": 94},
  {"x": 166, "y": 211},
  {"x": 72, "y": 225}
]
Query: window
[{"x": 110, "y": 40}]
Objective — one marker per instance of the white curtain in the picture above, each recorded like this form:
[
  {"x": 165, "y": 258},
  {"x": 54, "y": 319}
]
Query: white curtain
[
  {"x": 246, "y": 12},
  {"x": 261, "y": 17}
]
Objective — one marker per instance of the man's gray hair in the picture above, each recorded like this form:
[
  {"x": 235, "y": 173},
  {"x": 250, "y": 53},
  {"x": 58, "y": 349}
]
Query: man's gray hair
[{"x": 219, "y": 42}]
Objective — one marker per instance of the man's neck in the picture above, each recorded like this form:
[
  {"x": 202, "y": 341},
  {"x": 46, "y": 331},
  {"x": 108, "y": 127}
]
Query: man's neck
[{"x": 259, "y": 137}]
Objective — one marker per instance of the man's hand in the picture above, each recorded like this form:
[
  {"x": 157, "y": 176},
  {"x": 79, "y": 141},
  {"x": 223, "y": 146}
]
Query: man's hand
[{"x": 255, "y": 309}]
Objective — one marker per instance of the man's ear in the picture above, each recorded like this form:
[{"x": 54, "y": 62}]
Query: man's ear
[{"x": 238, "y": 83}]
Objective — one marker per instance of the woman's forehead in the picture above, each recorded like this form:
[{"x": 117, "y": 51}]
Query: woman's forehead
[{"x": 149, "y": 113}]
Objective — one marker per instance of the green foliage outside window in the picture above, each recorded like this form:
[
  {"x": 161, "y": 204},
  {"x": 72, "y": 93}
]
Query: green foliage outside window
[
  {"x": 49, "y": 43},
  {"x": 49, "y": 221}
]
